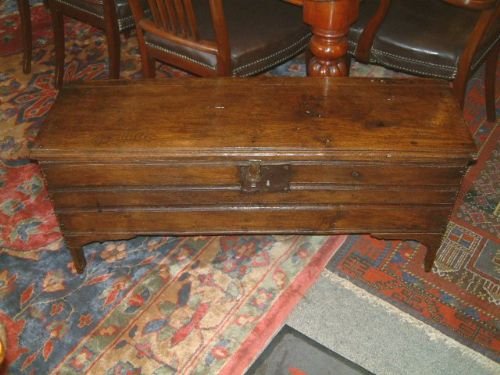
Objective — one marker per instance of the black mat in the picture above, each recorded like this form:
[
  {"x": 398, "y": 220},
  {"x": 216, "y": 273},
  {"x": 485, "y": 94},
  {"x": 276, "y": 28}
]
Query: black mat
[{"x": 292, "y": 353}]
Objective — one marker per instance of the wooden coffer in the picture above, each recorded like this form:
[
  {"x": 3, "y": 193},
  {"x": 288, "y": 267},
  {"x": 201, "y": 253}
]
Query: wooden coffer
[{"x": 259, "y": 155}]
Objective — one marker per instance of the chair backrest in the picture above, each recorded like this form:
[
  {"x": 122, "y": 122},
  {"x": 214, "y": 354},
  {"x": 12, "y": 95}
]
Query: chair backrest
[{"x": 176, "y": 21}]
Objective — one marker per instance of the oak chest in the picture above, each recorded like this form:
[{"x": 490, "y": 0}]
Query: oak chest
[{"x": 258, "y": 155}]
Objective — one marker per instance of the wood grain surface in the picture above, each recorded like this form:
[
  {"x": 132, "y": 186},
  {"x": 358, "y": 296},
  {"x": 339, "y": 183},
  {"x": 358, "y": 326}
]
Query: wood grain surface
[{"x": 260, "y": 155}]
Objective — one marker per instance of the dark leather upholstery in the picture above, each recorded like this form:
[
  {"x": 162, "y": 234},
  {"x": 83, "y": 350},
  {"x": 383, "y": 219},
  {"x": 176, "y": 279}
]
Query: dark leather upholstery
[
  {"x": 262, "y": 33},
  {"x": 424, "y": 37},
  {"x": 95, "y": 7}
]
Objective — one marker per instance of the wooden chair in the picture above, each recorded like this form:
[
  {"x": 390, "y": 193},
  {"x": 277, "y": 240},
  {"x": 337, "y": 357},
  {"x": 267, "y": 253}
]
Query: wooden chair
[
  {"x": 112, "y": 16},
  {"x": 436, "y": 38},
  {"x": 216, "y": 38}
]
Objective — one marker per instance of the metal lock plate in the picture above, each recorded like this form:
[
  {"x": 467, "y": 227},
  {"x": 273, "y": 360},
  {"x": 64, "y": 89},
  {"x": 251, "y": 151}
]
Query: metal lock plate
[{"x": 256, "y": 177}]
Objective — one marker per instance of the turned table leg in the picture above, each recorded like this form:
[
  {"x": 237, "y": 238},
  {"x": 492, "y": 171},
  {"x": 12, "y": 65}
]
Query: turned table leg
[{"x": 330, "y": 21}]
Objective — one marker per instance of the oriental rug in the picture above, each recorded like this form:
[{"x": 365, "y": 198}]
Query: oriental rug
[
  {"x": 154, "y": 304},
  {"x": 136, "y": 300},
  {"x": 461, "y": 297}
]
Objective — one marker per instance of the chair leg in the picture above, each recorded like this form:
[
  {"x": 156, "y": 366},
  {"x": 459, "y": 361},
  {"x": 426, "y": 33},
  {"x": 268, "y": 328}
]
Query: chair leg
[
  {"x": 58, "y": 27},
  {"x": 490, "y": 82},
  {"x": 148, "y": 67},
  {"x": 114, "y": 46},
  {"x": 459, "y": 85},
  {"x": 25, "y": 15},
  {"x": 147, "y": 62}
]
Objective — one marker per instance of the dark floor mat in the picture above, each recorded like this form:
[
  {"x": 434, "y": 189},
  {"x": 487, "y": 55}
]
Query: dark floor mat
[{"x": 292, "y": 353}]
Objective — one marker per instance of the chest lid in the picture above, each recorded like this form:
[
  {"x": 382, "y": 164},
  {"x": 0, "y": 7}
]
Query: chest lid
[{"x": 263, "y": 118}]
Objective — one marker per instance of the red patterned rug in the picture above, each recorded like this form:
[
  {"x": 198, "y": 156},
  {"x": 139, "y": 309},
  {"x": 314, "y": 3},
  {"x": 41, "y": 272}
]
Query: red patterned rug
[
  {"x": 461, "y": 297},
  {"x": 10, "y": 37},
  {"x": 138, "y": 300}
]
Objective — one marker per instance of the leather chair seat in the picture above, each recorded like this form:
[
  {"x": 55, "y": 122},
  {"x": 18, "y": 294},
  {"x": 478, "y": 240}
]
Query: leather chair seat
[
  {"x": 286, "y": 33},
  {"x": 96, "y": 8},
  {"x": 423, "y": 37}
]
